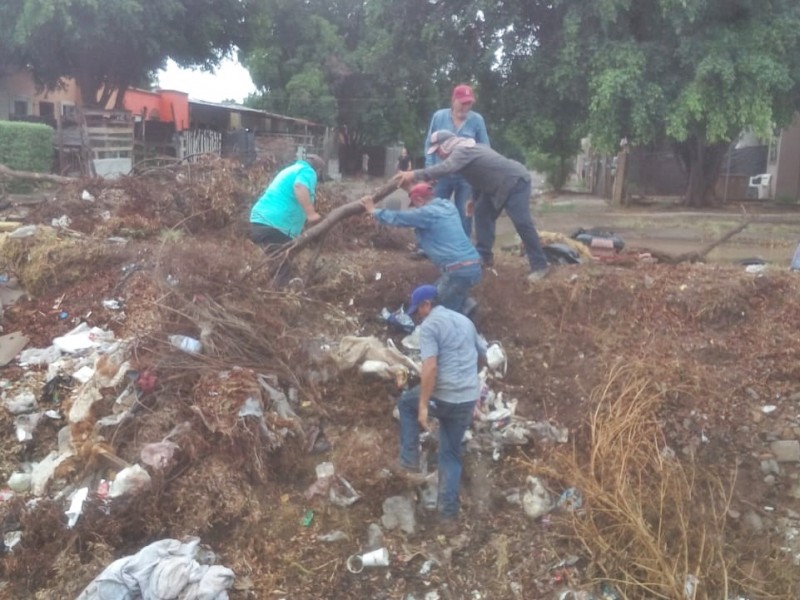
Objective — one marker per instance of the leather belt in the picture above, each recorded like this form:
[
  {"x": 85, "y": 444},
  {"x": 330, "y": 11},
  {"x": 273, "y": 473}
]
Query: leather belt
[{"x": 463, "y": 263}]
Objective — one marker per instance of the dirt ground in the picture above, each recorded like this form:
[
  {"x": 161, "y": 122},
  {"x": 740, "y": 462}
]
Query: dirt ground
[{"x": 679, "y": 386}]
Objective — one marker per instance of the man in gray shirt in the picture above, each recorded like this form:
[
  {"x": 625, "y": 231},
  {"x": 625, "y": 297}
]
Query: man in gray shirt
[
  {"x": 498, "y": 184},
  {"x": 449, "y": 388}
]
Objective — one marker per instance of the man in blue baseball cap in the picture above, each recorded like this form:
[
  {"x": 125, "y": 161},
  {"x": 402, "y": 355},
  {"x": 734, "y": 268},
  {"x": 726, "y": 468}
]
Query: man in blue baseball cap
[{"x": 451, "y": 353}]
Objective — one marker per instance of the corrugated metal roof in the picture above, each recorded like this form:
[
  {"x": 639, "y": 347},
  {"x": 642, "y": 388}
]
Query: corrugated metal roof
[{"x": 234, "y": 107}]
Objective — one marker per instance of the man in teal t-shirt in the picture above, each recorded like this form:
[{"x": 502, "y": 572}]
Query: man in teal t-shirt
[{"x": 288, "y": 202}]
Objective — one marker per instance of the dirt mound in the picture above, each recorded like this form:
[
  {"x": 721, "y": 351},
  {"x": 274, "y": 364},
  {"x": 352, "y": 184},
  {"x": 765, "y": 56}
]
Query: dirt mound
[{"x": 670, "y": 379}]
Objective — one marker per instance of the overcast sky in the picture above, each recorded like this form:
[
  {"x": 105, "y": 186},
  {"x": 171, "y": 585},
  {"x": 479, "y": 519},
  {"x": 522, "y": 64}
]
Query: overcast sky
[{"x": 230, "y": 81}]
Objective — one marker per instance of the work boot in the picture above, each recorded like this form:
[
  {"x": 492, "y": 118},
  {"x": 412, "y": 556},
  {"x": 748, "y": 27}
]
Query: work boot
[
  {"x": 411, "y": 474},
  {"x": 448, "y": 526},
  {"x": 538, "y": 275}
]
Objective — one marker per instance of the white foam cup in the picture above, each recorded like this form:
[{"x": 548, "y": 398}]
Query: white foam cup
[{"x": 377, "y": 558}]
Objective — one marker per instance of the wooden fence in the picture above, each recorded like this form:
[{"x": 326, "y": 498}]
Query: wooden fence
[{"x": 194, "y": 142}]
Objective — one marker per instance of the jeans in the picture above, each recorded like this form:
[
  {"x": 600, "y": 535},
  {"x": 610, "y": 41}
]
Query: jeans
[
  {"x": 452, "y": 287},
  {"x": 456, "y": 186},
  {"x": 518, "y": 209},
  {"x": 454, "y": 419}
]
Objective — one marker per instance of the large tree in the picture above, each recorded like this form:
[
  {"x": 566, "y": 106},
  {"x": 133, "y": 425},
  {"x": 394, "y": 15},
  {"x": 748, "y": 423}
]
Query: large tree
[
  {"x": 109, "y": 45},
  {"x": 375, "y": 68},
  {"x": 690, "y": 73}
]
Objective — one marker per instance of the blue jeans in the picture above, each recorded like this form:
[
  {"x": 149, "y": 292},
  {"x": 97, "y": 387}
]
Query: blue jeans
[
  {"x": 457, "y": 187},
  {"x": 518, "y": 209},
  {"x": 452, "y": 287},
  {"x": 454, "y": 419}
]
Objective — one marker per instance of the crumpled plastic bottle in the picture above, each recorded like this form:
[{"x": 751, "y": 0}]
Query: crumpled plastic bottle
[{"x": 186, "y": 343}]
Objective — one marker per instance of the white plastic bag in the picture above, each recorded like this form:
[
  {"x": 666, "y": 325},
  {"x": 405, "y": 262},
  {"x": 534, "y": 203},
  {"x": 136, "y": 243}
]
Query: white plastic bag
[{"x": 130, "y": 480}]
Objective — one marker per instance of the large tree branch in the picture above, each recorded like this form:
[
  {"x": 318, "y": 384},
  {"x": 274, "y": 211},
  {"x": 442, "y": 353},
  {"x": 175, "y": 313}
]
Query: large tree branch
[
  {"x": 29, "y": 175},
  {"x": 700, "y": 255},
  {"x": 318, "y": 232},
  {"x": 339, "y": 213}
]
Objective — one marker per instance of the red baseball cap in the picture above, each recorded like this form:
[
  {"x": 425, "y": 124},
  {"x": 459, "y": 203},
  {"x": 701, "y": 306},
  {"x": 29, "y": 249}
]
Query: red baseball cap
[
  {"x": 420, "y": 190},
  {"x": 463, "y": 93}
]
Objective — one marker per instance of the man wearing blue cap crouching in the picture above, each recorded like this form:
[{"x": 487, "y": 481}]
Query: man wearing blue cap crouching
[{"x": 451, "y": 353}]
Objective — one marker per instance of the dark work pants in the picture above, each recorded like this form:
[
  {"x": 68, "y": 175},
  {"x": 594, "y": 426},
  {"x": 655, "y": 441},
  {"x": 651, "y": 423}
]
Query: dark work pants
[
  {"x": 272, "y": 241},
  {"x": 518, "y": 209}
]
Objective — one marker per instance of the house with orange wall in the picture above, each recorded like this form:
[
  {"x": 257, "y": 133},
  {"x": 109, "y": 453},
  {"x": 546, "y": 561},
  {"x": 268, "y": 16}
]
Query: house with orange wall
[{"x": 165, "y": 106}]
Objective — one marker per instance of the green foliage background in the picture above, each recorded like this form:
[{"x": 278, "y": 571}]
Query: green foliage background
[
  {"x": 688, "y": 74},
  {"x": 26, "y": 146}
]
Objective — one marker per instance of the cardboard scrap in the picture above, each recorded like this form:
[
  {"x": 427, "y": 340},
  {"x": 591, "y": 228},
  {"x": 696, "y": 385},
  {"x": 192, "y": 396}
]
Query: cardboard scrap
[{"x": 11, "y": 344}]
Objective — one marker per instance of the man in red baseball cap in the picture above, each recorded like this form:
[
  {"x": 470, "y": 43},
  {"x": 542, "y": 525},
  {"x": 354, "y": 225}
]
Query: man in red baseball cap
[
  {"x": 441, "y": 237},
  {"x": 463, "y": 94},
  {"x": 464, "y": 122}
]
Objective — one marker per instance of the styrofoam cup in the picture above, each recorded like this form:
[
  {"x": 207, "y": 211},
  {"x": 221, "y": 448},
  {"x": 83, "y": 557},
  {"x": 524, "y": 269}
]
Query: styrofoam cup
[{"x": 377, "y": 558}]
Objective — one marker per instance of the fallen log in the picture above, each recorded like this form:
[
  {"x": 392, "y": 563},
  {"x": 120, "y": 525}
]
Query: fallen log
[
  {"x": 339, "y": 213},
  {"x": 31, "y": 176},
  {"x": 318, "y": 232},
  {"x": 699, "y": 255}
]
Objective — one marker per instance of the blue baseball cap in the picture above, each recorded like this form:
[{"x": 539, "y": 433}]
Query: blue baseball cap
[{"x": 420, "y": 295}]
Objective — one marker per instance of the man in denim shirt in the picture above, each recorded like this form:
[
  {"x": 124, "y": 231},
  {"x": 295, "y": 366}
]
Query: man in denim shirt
[
  {"x": 461, "y": 120},
  {"x": 451, "y": 353},
  {"x": 440, "y": 236}
]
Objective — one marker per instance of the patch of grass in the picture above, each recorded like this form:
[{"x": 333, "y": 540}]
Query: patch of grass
[
  {"x": 653, "y": 522},
  {"x": 46, "y": 260},
  {"x": 555, "y": 207},
  {"x": 171, "y": 236}
]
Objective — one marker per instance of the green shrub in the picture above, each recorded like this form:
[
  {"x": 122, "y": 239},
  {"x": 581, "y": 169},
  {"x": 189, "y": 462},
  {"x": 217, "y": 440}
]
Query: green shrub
[
  {"x": 787, "y": 199},
  {"x": 26, "y": 146}
]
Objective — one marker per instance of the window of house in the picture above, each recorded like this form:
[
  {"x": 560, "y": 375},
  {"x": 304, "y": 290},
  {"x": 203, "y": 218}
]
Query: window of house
[
  {"x": 68, "y": 111},
  {"x": 47, "y": 109},
  {"x": 20, "y": 108},
  {"x": 773, "y": 149}
]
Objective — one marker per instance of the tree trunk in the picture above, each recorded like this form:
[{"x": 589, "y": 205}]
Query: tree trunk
[
  {"x": 702, "y": 162},
  {"x": 105, "y": 95},
  {"x": 88, "y": 90},
  {"x": 6, "y": 173},
  {"x": 119, "y": 103},
  {"x": 318, "y": 231}
]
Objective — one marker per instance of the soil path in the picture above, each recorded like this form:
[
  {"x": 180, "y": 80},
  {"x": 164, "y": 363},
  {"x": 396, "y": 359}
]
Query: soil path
[{"x": 666, "y": 228}]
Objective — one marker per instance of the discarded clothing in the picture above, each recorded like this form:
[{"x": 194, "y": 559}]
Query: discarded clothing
[
  {"x": 561, "y": 254},
  {"x": 353, "y": 350},
  {"x": 588, "y": 235},
  {"x": 164, "y": 569}
]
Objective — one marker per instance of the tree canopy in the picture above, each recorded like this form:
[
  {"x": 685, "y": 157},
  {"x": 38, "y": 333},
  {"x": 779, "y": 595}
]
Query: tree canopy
[
  {"x": 110, "y": 45},
  {"x": 690, "y": 73},
  {"x": 382, "y": 66}
]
